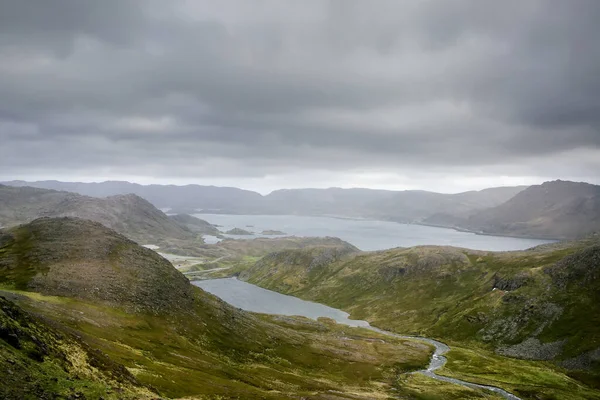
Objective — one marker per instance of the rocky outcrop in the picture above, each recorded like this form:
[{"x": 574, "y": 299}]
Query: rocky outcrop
[
  {"x": 584, "y": 361},
  {"x": 510, "y": 283},
  {"x": 533, "y": 349},
  {"x": 581, "y": 268}
]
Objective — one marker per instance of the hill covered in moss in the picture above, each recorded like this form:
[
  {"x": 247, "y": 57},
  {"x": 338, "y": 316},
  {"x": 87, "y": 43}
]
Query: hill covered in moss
[
  {"x": 87, "y": 313},
  {"x": 538, "y": 304}
]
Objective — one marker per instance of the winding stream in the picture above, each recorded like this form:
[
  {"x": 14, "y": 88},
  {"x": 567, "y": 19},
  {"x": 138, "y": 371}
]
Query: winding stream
[
  {"x": 256, "y": 299},
  {"x": 438, "y": 361}
]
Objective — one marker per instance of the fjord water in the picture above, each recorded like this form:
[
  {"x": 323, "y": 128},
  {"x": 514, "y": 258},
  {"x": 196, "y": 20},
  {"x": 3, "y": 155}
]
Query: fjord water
[{"x": 367, "y": 235}]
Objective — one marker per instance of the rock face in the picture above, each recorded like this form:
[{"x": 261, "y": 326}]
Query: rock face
[
  {"x": 129, "y": 214},
  {"x": 533, "y": 349},
  {"x": 82, "y": 259}
]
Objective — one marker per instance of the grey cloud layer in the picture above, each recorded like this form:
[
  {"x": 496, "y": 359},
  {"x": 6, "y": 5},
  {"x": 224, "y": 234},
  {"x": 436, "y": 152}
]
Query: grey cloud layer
[{"x": 260, "y": 87}]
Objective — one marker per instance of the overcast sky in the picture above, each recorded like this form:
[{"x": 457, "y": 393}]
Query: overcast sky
[{"x": 445, "y": 95}]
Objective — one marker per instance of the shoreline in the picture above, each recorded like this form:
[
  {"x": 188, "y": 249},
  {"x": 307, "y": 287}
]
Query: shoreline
[
  {"x": 465, "y": 230},
  {"x": 454, "y": 228}
]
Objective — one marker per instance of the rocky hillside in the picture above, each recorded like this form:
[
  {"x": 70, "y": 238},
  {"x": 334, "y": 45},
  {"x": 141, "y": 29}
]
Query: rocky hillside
[
  {"x": 557, "y": 209},
  {"x": 540, "y": 304},
  {"x": 83, "y": 259},
  {"x": 73, "y": 285},
  {"x": 412, "y": 206},
  {"x": 129, "y": 215},
  {"x": 196, "y": 225}
]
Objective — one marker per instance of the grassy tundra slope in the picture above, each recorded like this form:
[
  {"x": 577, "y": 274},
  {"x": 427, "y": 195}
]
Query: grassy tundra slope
[
  {"x": 539, "y": 304},
  {"x": 88, "y": 313}
]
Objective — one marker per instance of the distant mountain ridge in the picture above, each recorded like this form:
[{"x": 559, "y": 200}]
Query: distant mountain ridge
[
  {"x": 162, "y": 196},
  {"x": 557, "y": 209},
  {"x": 129, "y": 214},
  {"x": 401, "y": 206}
]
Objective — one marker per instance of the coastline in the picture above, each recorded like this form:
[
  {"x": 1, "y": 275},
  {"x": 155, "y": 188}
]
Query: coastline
[
  {"x": 454, "y": 228},
  {"x": 480, "y": 233}
]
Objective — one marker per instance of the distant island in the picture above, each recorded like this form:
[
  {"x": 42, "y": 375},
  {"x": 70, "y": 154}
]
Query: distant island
[
  {"x": 239, "y": 232},
  {"x": 272, "y": 232}
]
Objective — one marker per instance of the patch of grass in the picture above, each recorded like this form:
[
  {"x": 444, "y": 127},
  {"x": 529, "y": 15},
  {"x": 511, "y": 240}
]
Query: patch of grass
[
  {"x": 218, "y": 351},
  {"x": 421, "y": 387},
  {"x": 526, "y": 379},
  {"x": 39, "y": 361},
  {"x": 17, "y": 264}
]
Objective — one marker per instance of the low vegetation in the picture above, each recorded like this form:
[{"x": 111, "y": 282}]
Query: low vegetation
[
  {"x": 540, "y": 304},
  {"x": 183, "y": 343}
]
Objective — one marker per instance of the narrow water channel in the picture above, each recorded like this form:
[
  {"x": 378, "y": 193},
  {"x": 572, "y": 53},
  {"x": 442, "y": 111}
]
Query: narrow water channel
[{"x": 256, "y": 299}]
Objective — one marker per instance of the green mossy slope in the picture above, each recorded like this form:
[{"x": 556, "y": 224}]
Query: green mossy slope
[
  {"x": 151, "y": 331},
  {"x": 539, "y": 304}
]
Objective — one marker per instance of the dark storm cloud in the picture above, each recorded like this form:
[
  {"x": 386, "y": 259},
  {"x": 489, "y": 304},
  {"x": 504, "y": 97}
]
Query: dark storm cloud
[{"x": 248, "y": 88}]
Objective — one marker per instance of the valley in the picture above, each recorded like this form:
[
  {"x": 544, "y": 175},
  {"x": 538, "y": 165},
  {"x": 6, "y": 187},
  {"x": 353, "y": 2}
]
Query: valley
[
  {"x": 539, "y": 304},
  {"x": 167, "y": 337},
  {"x": 477, "y": 323}
]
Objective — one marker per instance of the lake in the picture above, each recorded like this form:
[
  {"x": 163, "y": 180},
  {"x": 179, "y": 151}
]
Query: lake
[
  {"x": 367, "y": 235},
  {"x": 253, "y": 298}
]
